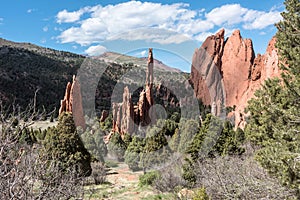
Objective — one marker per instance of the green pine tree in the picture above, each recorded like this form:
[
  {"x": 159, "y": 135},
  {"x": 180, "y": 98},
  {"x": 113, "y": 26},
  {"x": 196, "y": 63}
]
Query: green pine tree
[
  {"x": 117, "y": 147},
  {"x": 63, "y": 144},
  {"x": 175, "y": 140},
  {"x": 156, "y": 150},
  {"x": 132, "y": 153},
  {"x": 275, "y": 118}
]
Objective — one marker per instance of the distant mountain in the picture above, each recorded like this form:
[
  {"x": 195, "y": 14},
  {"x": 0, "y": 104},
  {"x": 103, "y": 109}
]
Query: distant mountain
[
  {"x": 47, "y": 52},
  {"x": 120, "y": 58}
]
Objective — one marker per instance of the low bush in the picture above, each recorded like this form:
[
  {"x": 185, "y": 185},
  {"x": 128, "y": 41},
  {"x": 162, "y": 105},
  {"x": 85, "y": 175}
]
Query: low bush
[
  {"x": 148, "y": 178},
  {"x": 98, "y": 173},
  {"x": 200, "y": 194}
]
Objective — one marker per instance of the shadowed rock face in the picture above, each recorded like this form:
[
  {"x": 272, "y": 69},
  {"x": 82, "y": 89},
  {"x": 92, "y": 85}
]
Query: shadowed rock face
[
  {"x": 72, "y": 103},
  {"x": 205, "y": 72},
  {"x": 227, "y": 72}
]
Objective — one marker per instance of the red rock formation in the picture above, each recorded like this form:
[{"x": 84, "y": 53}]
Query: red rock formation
[
  {"x": 127, "y": 125},
  {"x": 264, "y": 67},
  {"x": 149, "y": 78},
  {"x": 205, "y": 73},
  {"x": 126, "y": 115},
  {"x": 143, "y": 109},
  {"x": 239, "y": 74},
  {"x": 146, "y": 100},
  {"x": 72, "y": 102},
  {"x": 237, "y": 59},
  {"x": 117, "y": 117},
  {"x": 65, "y": 105}
]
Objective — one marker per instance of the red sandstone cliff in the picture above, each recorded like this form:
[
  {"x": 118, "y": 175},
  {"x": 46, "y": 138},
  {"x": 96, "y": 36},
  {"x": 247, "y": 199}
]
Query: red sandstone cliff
[
  {"x": 227, "y": 72},
  {"x": 72, "y": 102}
]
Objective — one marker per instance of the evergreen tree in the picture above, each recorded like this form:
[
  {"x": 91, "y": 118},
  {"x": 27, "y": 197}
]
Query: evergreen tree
[
  {"x": 188, "y": 130},
  {"x": 156, "y": 150},
  {"x": 175, "y": 140},
  {"x": 95, "y": 144},
  {"x": 117, "y": 147},
  {"x": 63, "y": 144},
  {"x": 132, "y": 153},
  {"x": 216, "y": 139},
  {"x": 275, "y": 119},
  {"x": 127, "y": 139}
]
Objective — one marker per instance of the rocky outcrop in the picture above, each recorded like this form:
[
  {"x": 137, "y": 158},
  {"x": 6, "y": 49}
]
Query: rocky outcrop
[
  {"x": 72, "y": 103},
  {"x": 126, "y": 116},
  {"x": 127, "y": 125},
  {"x": 264, "y": 67},
  {"x": 205, "y": 73},
  {"x": 237, "y": 59},
  {"x": 143, "y": 112},
  {"x": 227, "y": 73}
]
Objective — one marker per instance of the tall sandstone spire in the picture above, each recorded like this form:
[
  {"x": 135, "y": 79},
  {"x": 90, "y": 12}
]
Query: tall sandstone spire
[
  {"x": 125, "y": 117},
  {"x": 149, "y": 78}
]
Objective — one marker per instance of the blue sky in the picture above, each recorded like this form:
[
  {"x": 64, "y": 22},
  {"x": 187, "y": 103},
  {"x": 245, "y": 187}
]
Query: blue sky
[{"x": 176, "y": 27}]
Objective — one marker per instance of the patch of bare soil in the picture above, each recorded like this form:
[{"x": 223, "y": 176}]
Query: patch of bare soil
[{"x": 124, "y": 185}]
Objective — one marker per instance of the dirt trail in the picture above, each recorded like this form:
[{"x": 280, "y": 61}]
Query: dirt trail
[{"x": 125, "y": 184}]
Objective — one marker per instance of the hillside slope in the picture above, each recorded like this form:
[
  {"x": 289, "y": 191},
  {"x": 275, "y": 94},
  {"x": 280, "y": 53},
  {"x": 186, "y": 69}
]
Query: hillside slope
[{"x": 26, "y": 69}]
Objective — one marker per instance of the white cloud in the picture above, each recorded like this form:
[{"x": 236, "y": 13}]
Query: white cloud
[
  {"x": 1, "y": 20},
  {"x": 112, "y": 21},
  {"x": 230, "y": 14},
  {"x": 250, "y": 19},
  {"x": 45, "y": 28},
  {"x": 172, "y": 39},
  {"x": 115, "y": 19},
  {"x": 67, "y": 17},
  {"x": 262, "y": 20},
  {"x": 95, "y": 50}
]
